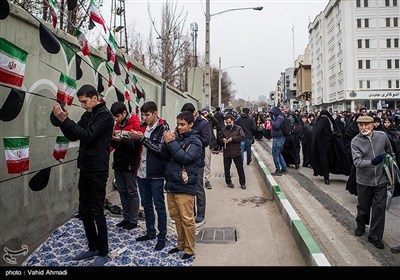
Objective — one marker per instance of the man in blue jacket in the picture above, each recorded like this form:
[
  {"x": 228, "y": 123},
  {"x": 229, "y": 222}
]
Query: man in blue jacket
[{"x": 278, "y": 140}]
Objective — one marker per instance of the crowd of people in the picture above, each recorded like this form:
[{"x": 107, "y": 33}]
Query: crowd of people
[{"x": 150, "y": 158}]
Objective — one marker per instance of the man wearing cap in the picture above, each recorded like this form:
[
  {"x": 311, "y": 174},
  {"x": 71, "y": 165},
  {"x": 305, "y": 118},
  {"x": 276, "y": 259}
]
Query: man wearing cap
[{"x": 368, "y": 150}]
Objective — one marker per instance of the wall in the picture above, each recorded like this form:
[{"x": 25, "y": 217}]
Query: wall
[{"x": 27, "y": 217}]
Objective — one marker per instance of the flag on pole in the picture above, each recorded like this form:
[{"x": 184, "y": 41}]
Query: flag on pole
[
  {"x": 17, "y": 154},
  {"x": 109, "y": 70},
  {"x": 95, "y": 15},
  {"x": 66, "y": 89},
  {"x": 60, "y": 148},
  {"x": 111, "y": 48},
  {"x": 53, "y": 10},
  {"x": 12, "y": 63},
  {"x": 83, "y": 43}
]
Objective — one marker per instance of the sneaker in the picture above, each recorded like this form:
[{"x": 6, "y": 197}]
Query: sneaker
[
  {"x": 199, "y": 222},
  {"x": 376, "y": 242},
  {"x": 395, "y": 249},
  {"x": 249, "y": 161},
  {"x": 284, "y": 171},
  {"x": 243, "y": 187},
  {"x": 277, "y": 173},
  {"x": 230, "y": 185},
  {"x": 207, "y": 185}
]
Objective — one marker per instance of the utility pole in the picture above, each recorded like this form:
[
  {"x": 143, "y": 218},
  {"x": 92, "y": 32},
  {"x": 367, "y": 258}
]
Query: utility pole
[{"x": 207, "y": 74}]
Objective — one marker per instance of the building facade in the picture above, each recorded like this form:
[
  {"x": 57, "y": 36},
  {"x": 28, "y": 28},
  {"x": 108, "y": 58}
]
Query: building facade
[{"x": 355, "y": 55}]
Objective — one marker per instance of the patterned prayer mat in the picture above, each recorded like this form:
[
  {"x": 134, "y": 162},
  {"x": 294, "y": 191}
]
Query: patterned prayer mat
[{"x": 69, "y": 240}]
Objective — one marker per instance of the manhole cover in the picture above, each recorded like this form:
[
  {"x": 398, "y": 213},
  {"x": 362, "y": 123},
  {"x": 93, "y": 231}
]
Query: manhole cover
[{"x": 217, "y": 235}]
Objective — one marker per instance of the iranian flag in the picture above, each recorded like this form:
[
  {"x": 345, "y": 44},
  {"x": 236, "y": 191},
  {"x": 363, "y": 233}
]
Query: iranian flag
[
  {"x": 95, "y": 15},
  {"x": 111, "y": 48},
  {"x": 53, "y": 10},
  {"x": 12, "y": 63},
  {"x": 83, "y": 43},
  {"x": 66, "y": 89},
  {"x": 60, "y": 148},
  {"x": 17, "y": 154}
]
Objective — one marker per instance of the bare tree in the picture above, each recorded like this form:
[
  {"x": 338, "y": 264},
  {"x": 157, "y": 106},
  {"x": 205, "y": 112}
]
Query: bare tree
[
  {"x": 227, "y": 94},
  {"x": 136, "y": 48}
]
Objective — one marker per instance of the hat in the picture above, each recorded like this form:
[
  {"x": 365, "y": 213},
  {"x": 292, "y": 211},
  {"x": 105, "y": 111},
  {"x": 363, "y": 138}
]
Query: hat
[
  {"x": 206, "y": 109},
  {"x": 365, "y": 119}
]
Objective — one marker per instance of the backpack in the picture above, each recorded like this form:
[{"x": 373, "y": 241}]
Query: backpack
[{"x": 286, "y": 127}]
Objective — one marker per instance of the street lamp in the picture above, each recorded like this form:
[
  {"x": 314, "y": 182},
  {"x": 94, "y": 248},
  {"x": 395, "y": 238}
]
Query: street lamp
[
  {"x": 207, "y": 82},
  {"x": 220, "y": 79}
]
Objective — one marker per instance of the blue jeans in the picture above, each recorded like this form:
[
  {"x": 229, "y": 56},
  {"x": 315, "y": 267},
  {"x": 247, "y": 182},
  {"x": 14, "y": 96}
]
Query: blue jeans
[
  {"x": 246, "y": 145},
  {"x": 152, "y": 190},
  {"x": 277, "y": 144}
]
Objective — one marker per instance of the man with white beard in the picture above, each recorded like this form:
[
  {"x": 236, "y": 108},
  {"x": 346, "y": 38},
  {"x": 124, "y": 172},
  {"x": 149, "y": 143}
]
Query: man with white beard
[{"x": 368, "y": 150}]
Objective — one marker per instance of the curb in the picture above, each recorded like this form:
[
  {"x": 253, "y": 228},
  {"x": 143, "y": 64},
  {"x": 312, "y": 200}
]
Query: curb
[{"x": 304, "y": 240}]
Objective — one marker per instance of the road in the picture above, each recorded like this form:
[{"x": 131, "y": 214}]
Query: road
[{"x": 329, "y": 213}]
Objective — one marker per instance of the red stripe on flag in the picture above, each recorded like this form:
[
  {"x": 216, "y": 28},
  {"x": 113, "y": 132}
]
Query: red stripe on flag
[
  {"x": 58, "y": 155},
  {"x": 17, "y": 166},
  {"x": 62, "y": 97},
  {"x": 10, "y": 78}
]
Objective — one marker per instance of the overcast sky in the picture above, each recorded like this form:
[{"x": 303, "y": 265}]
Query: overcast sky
[{"x": 262, "y": 41}]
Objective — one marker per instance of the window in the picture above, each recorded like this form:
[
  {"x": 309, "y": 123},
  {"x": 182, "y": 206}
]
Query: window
[
  {"x": 397, "y": 83},
  {"x": 389, "y": 84},
  {"x": 366, "y": 22},
  {"x": 365, "y": 3},
  {"x": 340, "y": 47},
  {"x": 394, "y": 2},
  {"x": 360, "y": 64},
  {"x": 388, "y": 43},
  {"x": 368, "y": 84},
  {"x": 358, "y": 23},
  {"x": 387, "y": 3},
  {"x": 368, "y": 64},
  {"x": 358, "y": 3},
  {"x": 396, "y": 42},
  {"x": 360, "y": 84},
  {"x": 389, "y": 64},
  {"x": 340, "y": 67},
  {"x": 397, "y": 63},
  {"x": 359, "y": 43},
  {"x": 367, "y": 43},
  {"x": 388, "y": 22},
  {"x": 396, "y": 21}
]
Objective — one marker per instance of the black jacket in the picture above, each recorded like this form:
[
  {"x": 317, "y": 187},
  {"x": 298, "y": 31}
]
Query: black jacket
[{"x": 94, "y": 131}]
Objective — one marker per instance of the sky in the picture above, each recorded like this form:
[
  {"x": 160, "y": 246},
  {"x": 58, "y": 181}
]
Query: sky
[{"x": 261, "y": 41}]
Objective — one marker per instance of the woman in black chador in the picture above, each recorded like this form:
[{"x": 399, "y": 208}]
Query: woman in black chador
[{"x": 327, "y": 151}]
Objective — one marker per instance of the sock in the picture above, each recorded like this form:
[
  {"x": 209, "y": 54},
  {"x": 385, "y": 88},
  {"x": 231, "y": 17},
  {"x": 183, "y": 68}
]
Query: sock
[
  {"x": 85, "y": 255},
  {"x": 99, "y": 261}
]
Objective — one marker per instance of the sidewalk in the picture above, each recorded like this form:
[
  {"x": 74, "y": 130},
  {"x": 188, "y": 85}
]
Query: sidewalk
[{"x": 263, "y": 238}]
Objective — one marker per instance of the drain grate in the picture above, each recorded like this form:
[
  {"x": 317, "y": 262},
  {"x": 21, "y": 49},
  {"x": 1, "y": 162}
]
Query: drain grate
[{"x": 217, "y": 235}]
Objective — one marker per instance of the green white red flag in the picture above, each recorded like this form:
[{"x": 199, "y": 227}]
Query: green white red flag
[
  {"x": 53, "y": 10},
  {"x": 95, "y": 15},
  {"x": 12, "y": 63},
  {"x": 60, "y": 148},
  {"x": 17, "y": 154},
  {"x": 66, "y": 89},
  {"x": 83, "y": 43}
]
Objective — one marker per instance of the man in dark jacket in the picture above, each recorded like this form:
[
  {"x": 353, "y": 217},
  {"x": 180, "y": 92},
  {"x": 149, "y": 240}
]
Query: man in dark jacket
[
  {"x": 278, "y": 140},
  {"x": 249, "y": 127},
  {"x": 125, "y": 164},
  {"x": 94, "y": 131},
  {"x": 220, "y": 125},
  {"x": 150, "y": 175},
  {"x": 231, "y": 136},
  {"x": 183, "y": 148},
  {"x": 203, "y": 128}
]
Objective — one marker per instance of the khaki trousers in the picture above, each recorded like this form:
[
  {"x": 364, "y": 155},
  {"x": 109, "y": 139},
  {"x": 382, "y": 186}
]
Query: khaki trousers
[{"x": 180, "y": 208}]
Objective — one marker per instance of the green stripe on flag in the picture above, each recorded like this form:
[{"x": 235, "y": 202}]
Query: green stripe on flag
[
  {"x": 62, "y": 140},
  {"x": 70, "y": 82},
  {"x": 11, "y": 50},
  {"x": 16, "y": 143}
]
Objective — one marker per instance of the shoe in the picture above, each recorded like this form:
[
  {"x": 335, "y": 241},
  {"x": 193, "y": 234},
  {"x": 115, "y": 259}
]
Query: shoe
[
  {"x": 207, "y": 185},
  {"x": 144, "y": 238},
  {"x": 284, "y": 171},
  {"x": 122, "y": 223},
  {"x": 174, "y": 250},
  {"x": 249, "y": 161},
  {"x": 230, "y": 185},
  {"x": 327, "y": 182},
  {"x": 141, "y": 215},
  {"x": 86, "y": 255},
  {"x": 377, "y": 243},
  {"x": 297, "y": 166},
  {"x": 359, "y": 231},
  {"x": 243, "y": 187},
  {"x": 395, "y": 250},
  {"x": 130, "y": 226},
  {"x": 277, "y": 173},
  {"x": 100, "y": 261},
  {"x": 160, "y": 245},
  {"x": 186, "y": 256},
  {"x": 199, "y": 222}
]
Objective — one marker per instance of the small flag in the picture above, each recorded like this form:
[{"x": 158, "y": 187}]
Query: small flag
[
  {"x": 111, "y": 48},
  {"x": 60, "y": 148},
  {"x": 66, "y": 89},
  {"x": 12, "y": 63},
  {"x": 109, "y": 70},
  {"x": 17, "y": 154},
  {"x": 127, "y": 96},
  {"x": 53, "y": 10},
  {"x": 83, "y": 43},
  {"x": 95, "y": 15}
]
